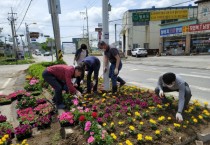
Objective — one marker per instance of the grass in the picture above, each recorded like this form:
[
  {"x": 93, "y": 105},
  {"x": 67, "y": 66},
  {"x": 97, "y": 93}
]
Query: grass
[{"x": 13, "y": 61}]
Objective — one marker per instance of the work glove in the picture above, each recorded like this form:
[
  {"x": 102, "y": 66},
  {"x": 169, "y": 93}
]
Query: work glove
[
  {"x": 161, "y": 94},
  {"x": 105, "y": 69},
  {"x": 81, "y": 82},
  {"x": 115, "y": 71},
  {"x": 179, "y": 117},
  {"x": 94, "y": 82},
  {"x": 78, "y": 94}
]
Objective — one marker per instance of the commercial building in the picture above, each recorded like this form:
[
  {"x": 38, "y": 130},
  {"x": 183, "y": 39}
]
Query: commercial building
[{"x": 141, "y": 27}]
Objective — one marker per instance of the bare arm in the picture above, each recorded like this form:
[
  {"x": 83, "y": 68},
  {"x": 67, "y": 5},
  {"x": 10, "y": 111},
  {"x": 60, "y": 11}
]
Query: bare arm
[
  {"x": 117, "y": 61},
  {"x": 105, "y": 61}
]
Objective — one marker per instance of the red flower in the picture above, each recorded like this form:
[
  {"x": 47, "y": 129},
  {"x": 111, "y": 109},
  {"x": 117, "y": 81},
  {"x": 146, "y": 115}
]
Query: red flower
[
  {"x": 82, "y": 118},
  {"x": 94, "y": 114}
]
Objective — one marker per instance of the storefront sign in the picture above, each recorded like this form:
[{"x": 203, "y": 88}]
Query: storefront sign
[
  {"x": 199, "y": 27},
  {"x": 185, "y": 29},
  {"x": 170, "y": 31},
  {"x": 141, "y": 17},
  {"x": 168, "y": 14}
]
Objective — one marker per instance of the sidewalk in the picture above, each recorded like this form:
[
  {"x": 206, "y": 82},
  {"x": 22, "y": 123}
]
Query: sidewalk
[{"x": 198, "y": 62}]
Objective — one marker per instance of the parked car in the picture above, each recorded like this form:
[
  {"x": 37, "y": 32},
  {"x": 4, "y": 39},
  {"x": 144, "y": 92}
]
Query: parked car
[
  {"x": 38, "y": 53},
  {"x": 47, "y": 53},
  {"x": 139, "y": 52}
]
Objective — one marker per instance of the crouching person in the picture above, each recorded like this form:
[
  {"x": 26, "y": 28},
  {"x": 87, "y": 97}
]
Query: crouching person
[
  {"x": 170, "y": 82},
  {"x": 59, "y": 75}
]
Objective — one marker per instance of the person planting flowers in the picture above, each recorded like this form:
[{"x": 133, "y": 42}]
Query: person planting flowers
[{"x": 170, "y": 82}]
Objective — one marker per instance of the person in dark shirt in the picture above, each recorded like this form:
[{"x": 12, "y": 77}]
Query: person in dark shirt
[
  {"x": 60, "y": 75},
  {"x": 91, "y": 64},
  {"x": 80, "y": 54},
  {"x": 113, "y": 56},
  {"x": 170, "y": 82}
]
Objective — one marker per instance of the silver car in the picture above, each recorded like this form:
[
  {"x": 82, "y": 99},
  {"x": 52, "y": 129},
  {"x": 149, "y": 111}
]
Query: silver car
[{"x": 139, "y": 52}]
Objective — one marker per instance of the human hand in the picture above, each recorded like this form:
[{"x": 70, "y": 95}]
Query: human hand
[
  {"x": 161, "y": 94},
  {"x": 78, "y": 94},
  {"x": 115, "y": 71},
  {"x": 81, "y": 82},
  {"x": 179, "y": 117}
]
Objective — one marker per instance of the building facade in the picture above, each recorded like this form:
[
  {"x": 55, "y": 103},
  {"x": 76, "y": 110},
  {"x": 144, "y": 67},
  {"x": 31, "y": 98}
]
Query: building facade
[
  {"x": 194, "y": 34},
  {"x": 141, "y": 27}
]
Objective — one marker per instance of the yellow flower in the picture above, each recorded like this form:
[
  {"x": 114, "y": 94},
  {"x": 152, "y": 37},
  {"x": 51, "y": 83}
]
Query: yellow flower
[
  {"x": 139, "y": 137},
  {"x": 3, "y": 139},
  {"x": 134, "y": 119},
  {"x": 129, "y": 114},
  {"x": 195, "y": 120},
  {"x": 121, "y": 133},
  {"x": 104, "y": 124},
  {"x": 200, "y": 117},
  {"x": 6, "y": 136},
  {"x": 132, "y": 128},
  {"x": 159, "y": 106},
  {"x": 120, "y": 143},
  {"x": 137, "y": 113},
  {"x": 157, "y": 132},
  {"x": 177, "y": 125},
  {"x": 206, "y": 103},
  {"x": 148, "y": 138},
  {"x": 1, "y": 143},
  {"x": 113, "y": 136},
  {"x": 161, "y": 118},
  {"x": 169, "y": 129},
  {"x": 141, "y": 123},
  {"x": 112, "y": 124},
  {"x": 169, "y": 118},
  {"x": 121, "y": 122},
  {"x": 152, "y": 121},
  {"x": 184, "y": 126},
  {"x": 128, "y": 142}
]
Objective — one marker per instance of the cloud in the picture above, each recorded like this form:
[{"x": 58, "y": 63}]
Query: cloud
[{"x": 127, "y": 3}]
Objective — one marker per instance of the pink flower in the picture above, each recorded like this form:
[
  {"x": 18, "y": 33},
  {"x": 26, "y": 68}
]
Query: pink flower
[
  {"x": 91, "y": 133},
  {"x": 75, "y": 102},
  {"x": 87, "y": 126},
  {"x": 91, "y": 139}
]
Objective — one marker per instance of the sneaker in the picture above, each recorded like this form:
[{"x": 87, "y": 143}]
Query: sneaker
[{"x": 61, "y": 106}]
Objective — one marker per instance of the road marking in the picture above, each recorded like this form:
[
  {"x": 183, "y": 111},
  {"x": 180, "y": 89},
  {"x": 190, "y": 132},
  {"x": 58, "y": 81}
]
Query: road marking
[
  {"x": 197, "y": 76},
  {"x": 152, "y": 79},
  {"x": 200, "y": 88},
  {"x": 152, "y": 71},
  {"x": 6, "y": 83},
  {"x": 201, "y": 73}
]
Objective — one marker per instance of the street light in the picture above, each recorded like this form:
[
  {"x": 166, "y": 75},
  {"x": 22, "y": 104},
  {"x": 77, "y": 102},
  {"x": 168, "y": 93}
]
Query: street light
[{"x": 28, "y": 38}]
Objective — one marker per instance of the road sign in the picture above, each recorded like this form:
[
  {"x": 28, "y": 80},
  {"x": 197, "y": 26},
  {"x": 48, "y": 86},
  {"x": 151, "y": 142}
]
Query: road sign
[{"x": 141, "y": 17}]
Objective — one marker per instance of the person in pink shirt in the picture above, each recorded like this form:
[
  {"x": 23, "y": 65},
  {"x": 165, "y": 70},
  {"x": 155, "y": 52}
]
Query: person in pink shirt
[{"x": 58, "y": 76}]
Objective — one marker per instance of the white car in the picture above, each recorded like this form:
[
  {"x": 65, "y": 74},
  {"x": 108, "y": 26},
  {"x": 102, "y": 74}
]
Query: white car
[{"x": 139, "y": 52}]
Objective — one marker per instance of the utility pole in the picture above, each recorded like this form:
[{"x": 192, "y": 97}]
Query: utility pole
[
  {"x": 115, "y": 30},
  {"x": 105, "y": 38},
  {"x": 88, "y": 30},
  {"x": 56, "y": 28},
  {"x": 12, "y": 20},
  {"x": 28, "y": 40}
]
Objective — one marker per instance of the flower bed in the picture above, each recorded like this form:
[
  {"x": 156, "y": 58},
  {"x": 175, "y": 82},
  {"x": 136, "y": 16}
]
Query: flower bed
[
  {"x": 4, "y": 100},
  {"x": 137, "y": 116},
  {"x": 23, "y": 131}
]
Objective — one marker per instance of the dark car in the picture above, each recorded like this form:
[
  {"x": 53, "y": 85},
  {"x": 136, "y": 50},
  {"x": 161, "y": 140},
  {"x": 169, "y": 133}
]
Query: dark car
[{"x": 47, "y": 54}]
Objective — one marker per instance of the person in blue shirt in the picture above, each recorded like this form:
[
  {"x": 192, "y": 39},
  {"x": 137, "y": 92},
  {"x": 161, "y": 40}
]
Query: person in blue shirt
[{"x": 92, "y": 65}]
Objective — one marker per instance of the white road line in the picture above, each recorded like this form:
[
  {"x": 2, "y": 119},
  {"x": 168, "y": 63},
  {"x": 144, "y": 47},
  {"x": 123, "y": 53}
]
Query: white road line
[
  {"x": 152, "y": 79},
  {"x": 197, "y": 76},
  {"x": 6, "y": 83},
  {"x": 201, "y": 73},
  {"x": 200, "y": 88}
]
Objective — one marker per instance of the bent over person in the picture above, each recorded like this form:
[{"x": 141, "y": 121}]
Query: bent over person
[
  {"x": 112, "y": 54},
  {"x": 170, "y": 82},
  {"x": 60, "y": 75}
]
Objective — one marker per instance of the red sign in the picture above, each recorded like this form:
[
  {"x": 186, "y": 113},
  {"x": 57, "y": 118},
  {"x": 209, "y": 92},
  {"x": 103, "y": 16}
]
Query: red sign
[{"x": 199, "y": 27}]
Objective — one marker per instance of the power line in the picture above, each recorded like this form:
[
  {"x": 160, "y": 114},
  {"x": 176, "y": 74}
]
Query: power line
[{"x": 24, "y": 15}]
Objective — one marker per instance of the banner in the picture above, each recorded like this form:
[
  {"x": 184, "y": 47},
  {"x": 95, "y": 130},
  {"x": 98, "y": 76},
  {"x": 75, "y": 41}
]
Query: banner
[
  {"x": 199, "y": 27},
  {"x": 169, "y": 31},
  {"x": 141, "y": 17},
  {"x": 168, "y": 14}
]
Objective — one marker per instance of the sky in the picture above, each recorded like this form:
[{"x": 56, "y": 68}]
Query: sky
[{"x": 72, "y": 20}]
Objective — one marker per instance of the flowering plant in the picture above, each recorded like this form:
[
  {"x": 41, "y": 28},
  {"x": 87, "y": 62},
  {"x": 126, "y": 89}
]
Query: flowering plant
[
  {"x": 26, "y": 101},
  {"x": 27, "y": 116},
  {"x": 6, "y": 128},
  {"x": 16, "y": 94},
  {"x": 4, "y": 100},
  {"x": 66, "y": 117},
  {"x": 33, "y": 85},
  {"x": 2, "y": 118},
  {"x": 44, "y": 121},
  {"x": 23, "y": 131}
]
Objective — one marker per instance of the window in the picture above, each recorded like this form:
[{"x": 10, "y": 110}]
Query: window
[{"x": 205, "y": 11}]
